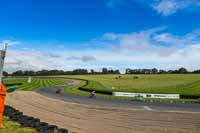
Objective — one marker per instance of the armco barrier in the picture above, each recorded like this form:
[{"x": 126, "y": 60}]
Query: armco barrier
[{"x": 27, "y": 121}]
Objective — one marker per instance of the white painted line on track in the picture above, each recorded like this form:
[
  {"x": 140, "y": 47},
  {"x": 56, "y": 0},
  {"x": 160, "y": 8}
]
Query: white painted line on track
[{"x": 147, "y": 108}]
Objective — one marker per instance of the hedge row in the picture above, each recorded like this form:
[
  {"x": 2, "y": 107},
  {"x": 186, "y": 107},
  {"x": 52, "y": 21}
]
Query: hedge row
[
  {"x": 189, "y": 97},
  {"x": 11, "y": 84},
  {"x": 97, "y": 91},
  {"x": 27, "y": 121}
]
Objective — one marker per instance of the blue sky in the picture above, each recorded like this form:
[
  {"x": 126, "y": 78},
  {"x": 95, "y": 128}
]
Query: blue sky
[{"x": 69, "y": 34}]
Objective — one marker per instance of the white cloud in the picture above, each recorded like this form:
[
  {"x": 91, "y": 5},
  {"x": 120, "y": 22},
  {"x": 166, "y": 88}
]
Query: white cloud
[
  {"x": 144, "y": 49},
  {"x": 25, "y": 48},
  {"x": 158, "y": 48},
  {"x": 60, "y": 46},
  {"x": 10, "y": 42},
  {"x": 190, "y": 38},
  {"x": 168, "y": 7},
  {"x": 142, "y": 42},
  {"x": 109, "y": 36},
  {"x": 84, "y": 58},
  {"x": 30, "y": 60},
  {"x": 163, "y": 7},
  {"x": 37, "y": 60}
]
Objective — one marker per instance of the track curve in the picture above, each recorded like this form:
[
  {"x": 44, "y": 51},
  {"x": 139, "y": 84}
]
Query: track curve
[
  {"x": 83, "y": 115},
  {"x": 157, "y": 106}
]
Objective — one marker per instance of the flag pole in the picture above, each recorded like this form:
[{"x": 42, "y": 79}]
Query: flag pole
[{"x": 2, "y": 57}]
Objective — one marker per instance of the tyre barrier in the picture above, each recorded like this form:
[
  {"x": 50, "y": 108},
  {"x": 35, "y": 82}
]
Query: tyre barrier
[{"x": 28, "y": 121}]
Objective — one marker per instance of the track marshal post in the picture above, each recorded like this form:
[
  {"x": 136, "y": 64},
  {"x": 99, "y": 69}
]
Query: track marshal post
[{"x": 2, "y": 86}]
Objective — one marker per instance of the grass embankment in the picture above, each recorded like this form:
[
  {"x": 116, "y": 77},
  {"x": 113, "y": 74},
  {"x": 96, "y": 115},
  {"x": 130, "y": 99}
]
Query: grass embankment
[
  {"x": 14, "y": 127},
  {"x": 184, "y": 84}
]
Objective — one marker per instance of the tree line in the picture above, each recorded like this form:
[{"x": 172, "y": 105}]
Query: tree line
[
  {"x": 181, "y": 70},
  {"x": 60, "y": 72},
  {"x": 103, "y": 71}
]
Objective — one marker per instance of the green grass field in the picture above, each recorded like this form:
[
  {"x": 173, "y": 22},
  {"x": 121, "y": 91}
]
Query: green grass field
[
  {"x": 37, "y": 82},
  {"x": 185, "y": 84},
  {"x": 14, "y": 127}
]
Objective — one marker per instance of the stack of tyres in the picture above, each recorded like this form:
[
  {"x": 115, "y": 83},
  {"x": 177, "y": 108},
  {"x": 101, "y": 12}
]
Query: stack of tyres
[
  {"x": 16, "y": 116},
  {"x": 35, "y": 123},
  {"x": 27, "y": 121},
  {"x": 12, "y": 113},
  {"x": 42, "y": 127},
  {"x": 52, "y": 129},
  {"x": 8, "y": 110},
  {"x": 62, "y": 130},
  {"x": 45, "y": 128}
]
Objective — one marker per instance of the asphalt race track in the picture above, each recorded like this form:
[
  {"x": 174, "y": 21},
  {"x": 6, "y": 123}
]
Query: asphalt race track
[
  {"x": 157, "y": 106},
  {"x": 83, "y": 115}
]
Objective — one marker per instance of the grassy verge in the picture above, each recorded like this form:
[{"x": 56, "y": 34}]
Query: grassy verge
[
  {"x": 104, "y": 85},
  {"x": 186, "y": 89},
  {"x": 37, "y": 82},
  {"x": 76, "y": 91},
  {"x": 102, "y": 90},
  {"x": 184, "y": 84},
  {"x": 14, "y": 127}
]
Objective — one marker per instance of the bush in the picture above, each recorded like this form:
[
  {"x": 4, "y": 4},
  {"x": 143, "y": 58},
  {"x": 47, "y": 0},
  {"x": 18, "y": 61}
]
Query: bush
[{"x": 135, "y": 77}]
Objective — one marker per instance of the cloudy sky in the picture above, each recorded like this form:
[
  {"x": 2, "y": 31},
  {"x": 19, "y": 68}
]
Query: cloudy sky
[{"x": 118, "y": 34}]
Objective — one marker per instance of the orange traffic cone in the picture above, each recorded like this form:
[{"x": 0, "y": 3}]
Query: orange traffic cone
[{"x": 2, "y": 99}]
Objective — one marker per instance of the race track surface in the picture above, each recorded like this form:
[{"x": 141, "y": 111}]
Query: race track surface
[
  {"x": 156, "y": 106},
  {"x": 84, "y": 115}
]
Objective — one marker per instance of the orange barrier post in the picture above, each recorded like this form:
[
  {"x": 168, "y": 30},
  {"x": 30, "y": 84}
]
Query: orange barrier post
[{"x": 2, "y": 100}]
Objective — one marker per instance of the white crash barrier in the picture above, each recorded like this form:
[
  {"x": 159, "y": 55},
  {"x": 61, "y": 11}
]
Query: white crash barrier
[{"x": 146, "y": 95}]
